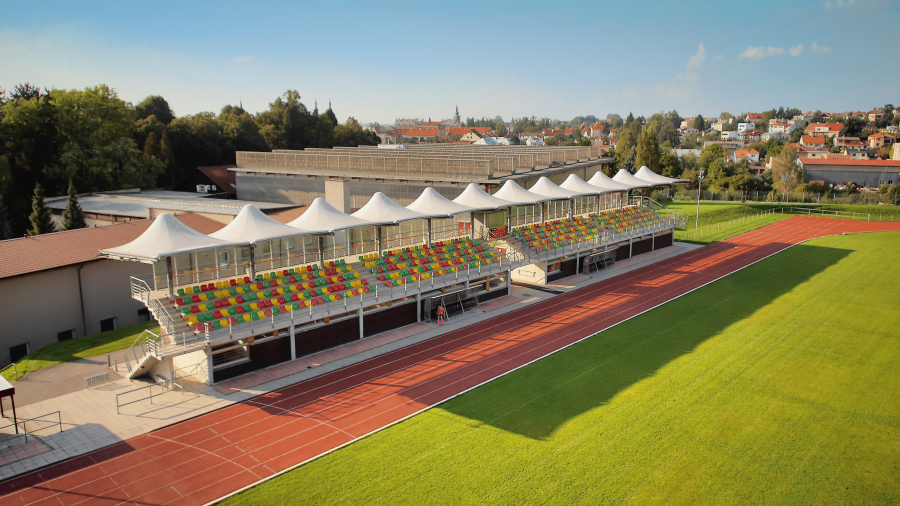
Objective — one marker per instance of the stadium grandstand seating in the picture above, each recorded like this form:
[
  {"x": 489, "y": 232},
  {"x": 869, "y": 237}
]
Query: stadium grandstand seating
[
  {"x": 552, "y": 235},
  {"x": 408, "y": 265},
  {"x": 236, "y": 301}
]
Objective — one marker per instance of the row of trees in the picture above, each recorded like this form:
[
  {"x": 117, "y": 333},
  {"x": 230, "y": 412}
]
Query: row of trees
[{"x": 92, "y": 140}]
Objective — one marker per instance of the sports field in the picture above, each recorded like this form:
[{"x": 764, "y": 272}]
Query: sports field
[{"x": 778, "y": 384}]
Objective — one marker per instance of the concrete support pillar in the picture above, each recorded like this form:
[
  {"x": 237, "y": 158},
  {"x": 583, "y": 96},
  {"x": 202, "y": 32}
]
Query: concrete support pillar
[
  {"x": 418, "y": 308},
  {"x": 542, "y": 204},
  {"x": 509, "y": 220},
  {"x": 630, "y": 245},
  {"x": 378, "y": 239},
  {"x": 320, "y": 254},
  {"x": 430, "y": 233},
  {"x": 652, "y": 241},
  {"x": 359, "y": 314},
  {"x": 293, "y": 343},
  {"x": 252, "y": 263},
  {"x": 472, "y": 225},
  {"x": 209, "y": 367},
  {"x": 170, "y": 278}
]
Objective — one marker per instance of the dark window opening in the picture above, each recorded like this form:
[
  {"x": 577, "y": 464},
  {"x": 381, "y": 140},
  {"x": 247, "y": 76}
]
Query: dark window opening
[
  {"x": 108, "y": 324},
  {"x": 18, "y": 351},
  {"x": 65, "y": 335},
  {"x": 144, "y": 315}
]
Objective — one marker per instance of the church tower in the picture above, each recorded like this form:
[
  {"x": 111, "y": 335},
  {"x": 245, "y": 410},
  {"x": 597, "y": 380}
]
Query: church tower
[{"x": 456, "y": 117}]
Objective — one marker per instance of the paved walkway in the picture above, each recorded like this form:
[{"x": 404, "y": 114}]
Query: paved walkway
[{"x": 90, "y": 421}]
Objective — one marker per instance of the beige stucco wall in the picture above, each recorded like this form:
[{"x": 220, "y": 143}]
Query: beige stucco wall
[
  {"x": 535, "y": 274},
  {"x": 38, "y": 306}
]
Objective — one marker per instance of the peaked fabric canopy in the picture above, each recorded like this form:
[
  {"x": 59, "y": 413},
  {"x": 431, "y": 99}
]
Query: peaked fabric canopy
[
  {"x": 512, "y": 192},
  {"x": 251, "y": 225},
  {"x": 546, "y": 187},
  {"x": 576, "y": 184},
  {"x": 433, "y": 203},
  {"x": 477, "y": 199},
  {"x": 625, "y": 177},
  {"x": 381, "y": 209},
  {"x": 603, "y": 181},
  {"x": 164, "y": 238},
  {"x": 323, "y": 216},
  {"x": 648, "y": 175}
]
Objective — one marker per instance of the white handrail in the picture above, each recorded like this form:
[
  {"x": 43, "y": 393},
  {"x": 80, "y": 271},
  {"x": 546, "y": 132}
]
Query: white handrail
[{"x": 141, "y": 291}]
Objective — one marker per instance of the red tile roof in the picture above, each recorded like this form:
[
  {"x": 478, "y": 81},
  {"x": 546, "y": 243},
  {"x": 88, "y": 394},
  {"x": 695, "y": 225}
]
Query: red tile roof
[
  {"x": 831, "y": 127},
  {"x": 744, "y": 153},
  {"x": 49, "y": 251},
  {"x": 224, "y": 179},
  {"x": 754, "y": 115},
  {"x": 812, "y": 139},
  {"x": 857, "y": 163}
]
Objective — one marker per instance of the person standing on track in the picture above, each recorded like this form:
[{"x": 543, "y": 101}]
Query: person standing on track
[{"x": 441, "y": 315}]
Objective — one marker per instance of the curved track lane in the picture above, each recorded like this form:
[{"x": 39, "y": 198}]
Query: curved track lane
[{"x": 208, "y": 457}]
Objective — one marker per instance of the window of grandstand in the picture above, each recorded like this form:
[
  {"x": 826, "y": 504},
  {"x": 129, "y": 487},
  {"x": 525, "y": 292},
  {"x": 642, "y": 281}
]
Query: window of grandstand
[
  {"x": 108, "y": 324},
  {"x": 554, "y": 267},
  {"x": 65, "y": 335},
  {"x": 18, "y": 351},
  {"x": 229, "y": 354}
]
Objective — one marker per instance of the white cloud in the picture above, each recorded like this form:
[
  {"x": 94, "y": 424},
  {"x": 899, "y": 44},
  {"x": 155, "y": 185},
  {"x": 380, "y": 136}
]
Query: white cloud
[
  {"x": 796, "y": 50},
  {"x": 816, "y": 48},
  {"x": 753, "y": 53},
  {"x": 698, "y": 58},
  {"x": 758, "y": 53}
]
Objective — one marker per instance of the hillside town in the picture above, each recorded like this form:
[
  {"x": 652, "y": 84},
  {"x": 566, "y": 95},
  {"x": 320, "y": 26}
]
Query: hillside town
[{"x": 835, "y": 151}]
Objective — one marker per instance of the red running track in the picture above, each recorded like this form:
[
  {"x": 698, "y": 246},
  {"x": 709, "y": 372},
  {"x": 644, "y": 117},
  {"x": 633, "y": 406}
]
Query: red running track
[{"x": 205, "y": 458}]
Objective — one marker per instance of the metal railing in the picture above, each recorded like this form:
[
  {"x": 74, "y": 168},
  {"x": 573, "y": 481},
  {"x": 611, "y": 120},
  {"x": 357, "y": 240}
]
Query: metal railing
[
  {"x": 97, "y": 379},
  {"x": 699, "y": 233},
  {"x": 150, "y": 345},
  {"x": 164, "y": 384},
  {"x": 38, "y": 419},
  {"x": 140, "y": 290}
]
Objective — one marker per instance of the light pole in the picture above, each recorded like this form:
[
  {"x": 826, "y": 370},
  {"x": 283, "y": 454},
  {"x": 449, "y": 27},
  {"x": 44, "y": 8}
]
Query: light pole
[{"x": 699, "y": 189}]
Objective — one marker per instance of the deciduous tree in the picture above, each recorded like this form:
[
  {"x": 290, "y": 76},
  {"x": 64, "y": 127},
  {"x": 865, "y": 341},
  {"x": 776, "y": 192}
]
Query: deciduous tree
[{"x": 786, "y": 171}]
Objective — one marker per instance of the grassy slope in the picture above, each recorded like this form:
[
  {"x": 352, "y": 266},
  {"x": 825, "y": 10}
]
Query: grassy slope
[
  {"x": 775, "y": 385},
  {"x": 83, "y": 347}
]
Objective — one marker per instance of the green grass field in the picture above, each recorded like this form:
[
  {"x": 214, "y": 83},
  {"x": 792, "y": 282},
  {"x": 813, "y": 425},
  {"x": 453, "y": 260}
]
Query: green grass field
[
  {"x": 83, "y": 347},
  {"x": 775, "y": 385}
]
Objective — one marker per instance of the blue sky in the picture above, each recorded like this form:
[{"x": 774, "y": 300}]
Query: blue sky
[{"x": 378, "y": 61}]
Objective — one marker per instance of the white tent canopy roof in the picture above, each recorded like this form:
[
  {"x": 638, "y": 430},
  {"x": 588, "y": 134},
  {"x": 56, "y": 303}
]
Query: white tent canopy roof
[
  {"x": 433, "y": 203},
  {"x": 576, "y": 184},
  {"x": 648, "y": 175},
  {"x": 546, "y": 187},
  {"x": 323, "y": 216},
  {"x": 381, "y": 209},
  {"x": 625, "y": 177},
  {"x": 477, "y": 199},
  {"x": 512, "y": 192},
  {"x": 251, "y": 225},
  {"x": 603, "y": 181},
  {"x": 166, "y": 237}
]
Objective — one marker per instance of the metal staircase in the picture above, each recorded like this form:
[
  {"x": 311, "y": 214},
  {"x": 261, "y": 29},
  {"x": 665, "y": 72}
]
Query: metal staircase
[{"x": 146, "y": 351}]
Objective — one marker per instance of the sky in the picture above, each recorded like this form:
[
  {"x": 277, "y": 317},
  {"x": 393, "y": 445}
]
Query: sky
[{"x": 378, "y": 61}]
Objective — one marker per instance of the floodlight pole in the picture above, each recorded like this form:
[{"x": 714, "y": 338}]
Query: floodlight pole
[{"x": 699, "y": 189}]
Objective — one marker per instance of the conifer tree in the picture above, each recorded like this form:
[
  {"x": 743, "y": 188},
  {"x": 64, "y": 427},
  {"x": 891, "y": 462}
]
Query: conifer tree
[
  {"x": 5, "y": 225},
  {"x": 166, "y": 154},
  {"x": 73, "y": 216},
  {"x": 40, "y": 218}
]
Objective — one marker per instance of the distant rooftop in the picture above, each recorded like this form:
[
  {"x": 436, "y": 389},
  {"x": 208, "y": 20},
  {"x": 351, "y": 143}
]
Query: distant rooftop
[{"x": 138, "y": 203}]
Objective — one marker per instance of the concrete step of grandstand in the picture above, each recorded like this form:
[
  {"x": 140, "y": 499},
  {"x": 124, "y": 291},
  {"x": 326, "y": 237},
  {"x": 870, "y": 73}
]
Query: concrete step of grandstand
[{"x": 142, "y": 367}]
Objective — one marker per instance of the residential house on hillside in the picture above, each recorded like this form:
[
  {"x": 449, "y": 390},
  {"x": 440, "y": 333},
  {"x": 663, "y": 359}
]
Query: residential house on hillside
[
  {"x": 533, "y": 141},
  {"x": 754, "y": 118},
  {"x": 812, "y": 141},
  {"x": 829, "y": 129},
  {"x": 689, "y": 131},
  {"x": 881, "y": 140},
  {"x": 596, "y": 131},
  {"x": 774, "y": 136},
  {"x": 751, "y": 136},
  {"x": 876, "y": 115},
  {"x": 850, "y": 142},
  {"x": 785, "y": 128},
  {"x": 730, "y": 135},
  {"x": 745, "y": 127},
  {"x": 860, "y": 153},
  {"x": 471, "y": 136},
  {"x": 751, "y": 155}
]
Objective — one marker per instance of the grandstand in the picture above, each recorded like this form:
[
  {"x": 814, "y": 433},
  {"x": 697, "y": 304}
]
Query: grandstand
[{"x": 258, "y": 292}]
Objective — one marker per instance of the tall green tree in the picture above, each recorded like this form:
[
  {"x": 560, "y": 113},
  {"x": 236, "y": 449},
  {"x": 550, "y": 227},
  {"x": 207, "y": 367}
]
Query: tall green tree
[
  {"x": 647, "y": 152},
  {"x": 166, "y": 155},
  {"x": 786, "y": 171},
  {"x": 6, "y": 229},
  {"x": 699, "y": 123},
  {"x": 151, "y": 146},
  {"x": 155, "y": 105},
  {"x": 73, "y": 216},
  {"x": 41, "y": 218}
]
